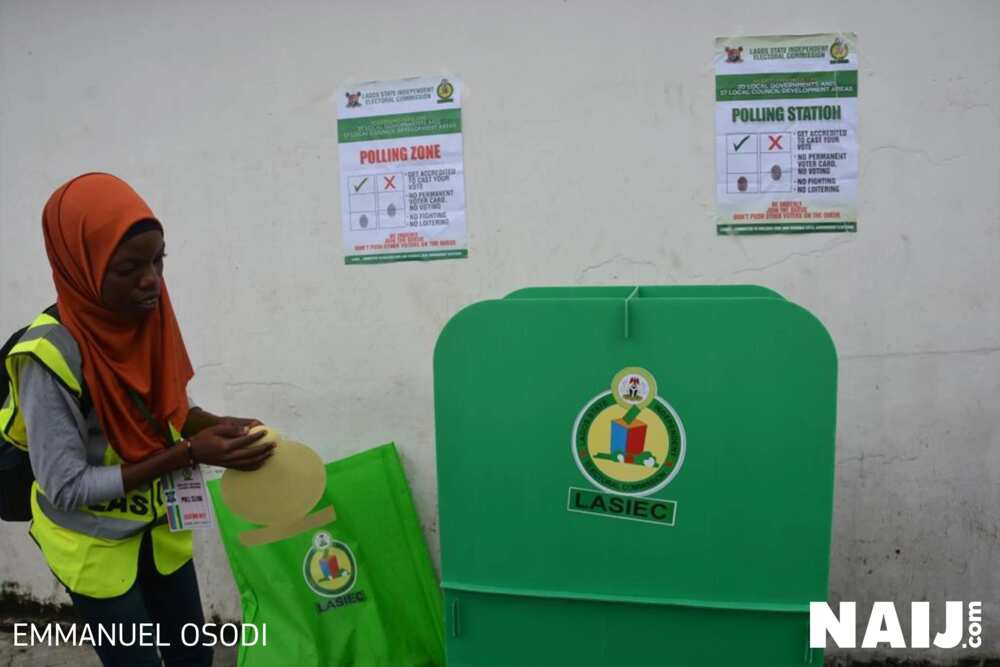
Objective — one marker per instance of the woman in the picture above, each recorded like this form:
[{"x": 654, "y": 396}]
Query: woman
[{"x": 103, "y": 409}]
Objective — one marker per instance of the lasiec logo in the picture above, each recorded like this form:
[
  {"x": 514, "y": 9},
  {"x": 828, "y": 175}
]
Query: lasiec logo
[
  {"x": 331, "y": 570},
  {"x": 329, "y": 567},
  {"x": 884, "y": 629},
  {"x": 628, "y": 443}
]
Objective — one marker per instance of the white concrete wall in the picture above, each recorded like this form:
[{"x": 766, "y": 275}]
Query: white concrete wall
[{"x": 589, "y": 160}]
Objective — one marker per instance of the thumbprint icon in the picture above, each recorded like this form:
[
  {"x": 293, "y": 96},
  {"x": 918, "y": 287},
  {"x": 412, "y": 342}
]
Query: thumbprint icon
[
  {"x": 741, "y": 183},
  {"x": 776, "y": 173}
]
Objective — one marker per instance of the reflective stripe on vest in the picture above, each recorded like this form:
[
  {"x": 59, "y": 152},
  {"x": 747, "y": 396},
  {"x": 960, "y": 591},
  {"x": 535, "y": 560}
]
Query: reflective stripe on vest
[
  {"x": 116, "y": 519},
  {"x": 99, "y": 567},
  {"x": 93, "y": 550},
  {"x": 52, "y": 345},
  {"x": 7, "y": 417}
]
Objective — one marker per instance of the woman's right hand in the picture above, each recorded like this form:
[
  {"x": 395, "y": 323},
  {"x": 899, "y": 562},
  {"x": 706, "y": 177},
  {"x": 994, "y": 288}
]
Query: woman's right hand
[{"x": 229, "y": 446}]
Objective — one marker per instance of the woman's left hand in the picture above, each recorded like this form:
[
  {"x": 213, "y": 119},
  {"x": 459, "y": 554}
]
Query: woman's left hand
[
  {"x": 198, "y": 420},
  {"x": 244, "y": 423}
]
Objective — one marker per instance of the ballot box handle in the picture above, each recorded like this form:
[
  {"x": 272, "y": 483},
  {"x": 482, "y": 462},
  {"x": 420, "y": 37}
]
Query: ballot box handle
[{"x": 455, "y": 629}]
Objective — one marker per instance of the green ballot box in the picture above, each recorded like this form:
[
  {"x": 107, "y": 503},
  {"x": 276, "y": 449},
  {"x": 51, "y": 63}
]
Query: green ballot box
[{"x": 634, "y": 476}]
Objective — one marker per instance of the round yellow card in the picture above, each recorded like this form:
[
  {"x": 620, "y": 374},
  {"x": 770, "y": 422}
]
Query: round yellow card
[{"x": 284, "y": 489}]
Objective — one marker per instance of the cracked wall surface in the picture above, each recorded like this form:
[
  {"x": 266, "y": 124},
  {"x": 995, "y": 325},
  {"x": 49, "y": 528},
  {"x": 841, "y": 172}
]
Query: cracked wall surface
[{"x": 589, "y": 156}]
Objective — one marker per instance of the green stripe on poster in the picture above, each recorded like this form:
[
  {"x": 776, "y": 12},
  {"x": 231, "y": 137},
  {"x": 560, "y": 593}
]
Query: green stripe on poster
[
  {"x": 399, "y": 126},
  {"x": 787, "y": 85},
  {"x": 788, "y": 228},
  {"x": 406, "y": 256}
]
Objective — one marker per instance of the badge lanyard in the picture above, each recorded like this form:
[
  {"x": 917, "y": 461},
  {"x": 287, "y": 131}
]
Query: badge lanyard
[{"x": 184, "y": 490}]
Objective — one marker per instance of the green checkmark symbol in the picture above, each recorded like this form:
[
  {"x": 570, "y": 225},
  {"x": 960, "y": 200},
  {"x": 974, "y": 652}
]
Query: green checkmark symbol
[
  {"x": 363, "y": 180},
  {"x": 736, "y": 147}
]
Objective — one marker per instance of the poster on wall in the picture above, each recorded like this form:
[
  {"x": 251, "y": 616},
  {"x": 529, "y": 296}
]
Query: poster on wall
[
  {"x": 402, "y": 181},
  {"x": 786, "y": 119}
]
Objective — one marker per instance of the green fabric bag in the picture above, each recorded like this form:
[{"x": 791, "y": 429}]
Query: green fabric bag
[{"x": 358, "y": 591}]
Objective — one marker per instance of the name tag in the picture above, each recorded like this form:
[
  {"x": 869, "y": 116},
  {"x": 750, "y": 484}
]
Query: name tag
[{"x": 187, "y": 499}]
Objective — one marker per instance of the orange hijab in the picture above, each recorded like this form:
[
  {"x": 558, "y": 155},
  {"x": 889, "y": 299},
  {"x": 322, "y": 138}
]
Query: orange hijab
[{"x": 83, "y": 223}]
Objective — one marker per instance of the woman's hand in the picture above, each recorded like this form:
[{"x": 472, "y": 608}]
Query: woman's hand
[
  {"x": 198, "y": 420},
  {"x": 229, "y": 446},
  {"x": 244, "y": 423},
  {"x": 221, "y": 444}
]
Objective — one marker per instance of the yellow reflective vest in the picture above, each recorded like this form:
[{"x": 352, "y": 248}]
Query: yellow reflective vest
[{"x": 93, "y": 550}]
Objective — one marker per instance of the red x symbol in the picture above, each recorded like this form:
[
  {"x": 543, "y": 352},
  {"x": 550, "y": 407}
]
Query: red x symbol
[
  {"x": 775, "y": 142},
  {"x": 389, "y": 183}
]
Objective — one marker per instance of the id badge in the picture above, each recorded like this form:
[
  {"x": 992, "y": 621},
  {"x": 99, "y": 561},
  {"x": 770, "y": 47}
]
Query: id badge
[{"x": 187, "y": 499}]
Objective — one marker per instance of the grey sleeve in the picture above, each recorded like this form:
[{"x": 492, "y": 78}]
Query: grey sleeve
[{"x": 57, "y": 436}]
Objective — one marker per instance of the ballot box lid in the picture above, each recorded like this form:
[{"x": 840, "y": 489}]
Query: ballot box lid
[{"x": 643, "y": 292}]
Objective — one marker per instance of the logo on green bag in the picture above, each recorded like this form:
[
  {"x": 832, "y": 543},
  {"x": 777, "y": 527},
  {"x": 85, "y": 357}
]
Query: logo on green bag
[
  {"x": 627, "y": 442},
  {"x": 329, "y": 568}
]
